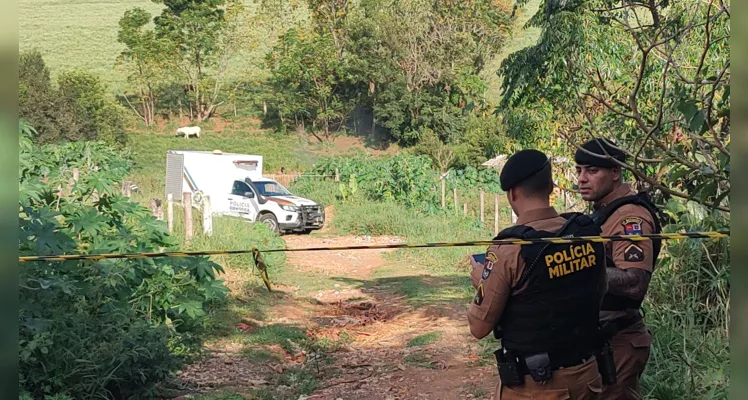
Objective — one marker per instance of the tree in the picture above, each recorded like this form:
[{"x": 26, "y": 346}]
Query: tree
[
  {"x": 79, "y": 109},
  {"x": 306, "y": 76},
  {"x": 201, "y": 35},
  {"x": 96, "y": 114},
  {"x": 426, "y": 62},
  {"x": 330, "y": 17},
  {"x": 145, "y": 58},
  {"x": 652, "y": 75},
  {"x": 37, "y": 101}
]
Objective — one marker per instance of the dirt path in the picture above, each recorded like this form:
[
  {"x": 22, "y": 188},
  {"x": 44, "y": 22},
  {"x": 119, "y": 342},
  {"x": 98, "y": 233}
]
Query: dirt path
[{"x": 378, "y": 345}]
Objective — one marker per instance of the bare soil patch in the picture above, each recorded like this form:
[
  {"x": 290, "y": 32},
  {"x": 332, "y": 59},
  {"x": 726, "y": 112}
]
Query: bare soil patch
[{"x": 370, "y": 329}]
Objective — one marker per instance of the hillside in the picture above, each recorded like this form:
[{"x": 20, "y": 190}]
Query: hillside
[
  {"x": 66, "y": 31},
  {"x": 396, "y": 112},
  {"x": 82, "y": 34}
]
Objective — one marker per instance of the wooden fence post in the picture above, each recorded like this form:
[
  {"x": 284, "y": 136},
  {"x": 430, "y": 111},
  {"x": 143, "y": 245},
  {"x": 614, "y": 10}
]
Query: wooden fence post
[
  {"x": 496, "y": 214},
  {"x": 95, "y": 193},
  {"x": 207, "y": 217},
  {"x": 126, "y": 189},
  {"x": 482, "y": 219},
  {"x": 187, "y": 203},
  {"x": 454, "y": 192},
  {"x": 464, "y": 209},
  {"x": 170, "y": 213},
  {"x": 337, "y": 175},
  {"x": 444, "y": 192},
  {"x": 59, "y": 197}
]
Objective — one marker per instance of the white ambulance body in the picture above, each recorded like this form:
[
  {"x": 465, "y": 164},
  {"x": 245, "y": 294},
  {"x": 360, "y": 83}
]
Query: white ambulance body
[{"x": 237, "y": 188}]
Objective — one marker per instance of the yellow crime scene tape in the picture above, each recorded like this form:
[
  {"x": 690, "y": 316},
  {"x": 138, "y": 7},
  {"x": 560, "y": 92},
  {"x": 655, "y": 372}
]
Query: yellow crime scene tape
[
  {"x": 255, "y": 251},
  {"x": 262, "y": 266}
]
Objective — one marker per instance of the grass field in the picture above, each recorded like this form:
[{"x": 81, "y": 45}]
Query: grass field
[
  {"x": 83, "y": 34},
  {"x": 77, "y": 34},
  {"x": 73, "y": 34}
]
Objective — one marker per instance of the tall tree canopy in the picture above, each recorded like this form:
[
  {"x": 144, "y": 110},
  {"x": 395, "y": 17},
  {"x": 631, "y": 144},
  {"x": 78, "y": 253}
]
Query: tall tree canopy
[{"x": 654, "y": 76}]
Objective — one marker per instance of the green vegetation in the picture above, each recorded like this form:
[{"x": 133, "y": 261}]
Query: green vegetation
[
  {"x": 667, "y": 102},
  {"x": 408, "y": 179},
  {"x": 437, "y": 278},
  {"x": 222, "y": 396},
  {"x": 412, "y": 69},
  {"x": 425, "y": 339},
  {"x": 260, "y": 356},
  {"x": 655, "y": 77},
  {"x": 79, "y": 108},
  {"x": 419, "y": 360},
  {"x": 353, "y": 70},
  {"x": 65, "y": 32},
  {"x": 109, "y": 327},
  {"x": 282, "y": 335}
]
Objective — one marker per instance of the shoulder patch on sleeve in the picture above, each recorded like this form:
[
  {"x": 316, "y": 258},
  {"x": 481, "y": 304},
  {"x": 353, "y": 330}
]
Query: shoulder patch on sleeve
[
  {"x": 487, "y": 268},
  {"x": 633, "y": 253},
  {"x": 478, "y": 300},
  {"x": 492, "y": 257},
  {"x": 632, "y": 225}
]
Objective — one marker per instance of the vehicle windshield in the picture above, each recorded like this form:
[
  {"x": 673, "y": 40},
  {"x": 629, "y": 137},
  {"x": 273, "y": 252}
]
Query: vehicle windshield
[{"x": 271, "y": 189}]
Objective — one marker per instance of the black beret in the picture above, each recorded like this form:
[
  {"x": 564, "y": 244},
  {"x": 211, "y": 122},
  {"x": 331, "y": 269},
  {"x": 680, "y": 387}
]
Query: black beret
[
  {"x": 599, "y": 146},
  {"x": 520, "y": 166}
]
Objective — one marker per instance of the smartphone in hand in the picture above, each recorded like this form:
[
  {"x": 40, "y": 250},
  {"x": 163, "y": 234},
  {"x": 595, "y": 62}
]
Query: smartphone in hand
[{"x": 479, "y": 258}]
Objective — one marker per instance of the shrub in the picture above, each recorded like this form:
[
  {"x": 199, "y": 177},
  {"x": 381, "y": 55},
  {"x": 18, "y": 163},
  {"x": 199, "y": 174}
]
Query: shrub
[
  {"x": 408, "y": 179},
  {"x": 107, "y": 328},
  {"x": 97, "y": 114},
  {"x": 404, "y": 178},
  {"x": 688, "y": 310},
  {"x": 80, "y": 109}
]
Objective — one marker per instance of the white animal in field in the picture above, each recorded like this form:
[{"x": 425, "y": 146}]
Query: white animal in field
[{"x": 188, "y": 131}]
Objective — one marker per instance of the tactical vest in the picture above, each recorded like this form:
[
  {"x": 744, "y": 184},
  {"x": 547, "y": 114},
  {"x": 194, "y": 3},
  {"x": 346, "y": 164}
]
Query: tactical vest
[
  {"x": 558, "y": 310},
  {"x": 613, "y": 302}
]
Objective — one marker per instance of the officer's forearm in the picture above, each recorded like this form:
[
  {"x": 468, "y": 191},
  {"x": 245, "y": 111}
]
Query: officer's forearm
[
  {"x": 631, "y": 282},
  {"x": 602, "y": 285}
]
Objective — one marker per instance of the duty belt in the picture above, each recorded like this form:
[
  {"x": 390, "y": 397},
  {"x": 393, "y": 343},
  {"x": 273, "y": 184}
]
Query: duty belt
[{"x": 557, "y": 360}]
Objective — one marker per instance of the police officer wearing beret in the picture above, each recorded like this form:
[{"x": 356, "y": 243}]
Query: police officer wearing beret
[
  {"x": 541, "y": 300},
  {"x": 619, "y": 210}
]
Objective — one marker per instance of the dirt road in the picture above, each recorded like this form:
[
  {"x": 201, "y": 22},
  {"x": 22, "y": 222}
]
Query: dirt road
[{"x": 377, "y": 344}]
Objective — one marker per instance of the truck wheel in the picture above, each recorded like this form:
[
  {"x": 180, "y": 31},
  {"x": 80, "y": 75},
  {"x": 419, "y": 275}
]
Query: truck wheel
[{"x": 270, "y": 221}]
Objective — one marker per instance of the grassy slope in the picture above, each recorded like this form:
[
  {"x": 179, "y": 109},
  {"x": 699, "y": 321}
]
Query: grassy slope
[
  {"x": 519, "y": 39},
  {"x": 67, "y": 31},
  {"x": 77, "y": 33},
  {"x": 83, "y": 34}
]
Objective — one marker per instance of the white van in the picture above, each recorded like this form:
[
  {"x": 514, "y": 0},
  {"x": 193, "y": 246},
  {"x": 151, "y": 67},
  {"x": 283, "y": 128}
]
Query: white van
[{"x": 237, "y": 188}]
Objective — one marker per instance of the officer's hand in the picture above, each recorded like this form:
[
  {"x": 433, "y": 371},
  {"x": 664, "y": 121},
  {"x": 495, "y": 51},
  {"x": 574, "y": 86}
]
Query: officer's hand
[{"x": 476, "y": 272}]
